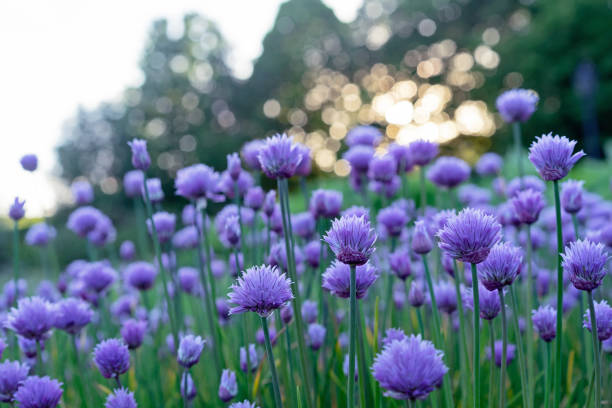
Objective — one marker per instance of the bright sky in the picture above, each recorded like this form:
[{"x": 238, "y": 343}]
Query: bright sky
[{"x": 60, "y": 54}]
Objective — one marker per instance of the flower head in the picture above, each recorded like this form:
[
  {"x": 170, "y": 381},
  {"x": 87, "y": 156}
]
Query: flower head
[
  {"x": 132, "y": 183},
  {"x": 423, "y": 152},
  {"x": 198, "y": 181},
  {"x": 250, "y": 153},
  {"x": 120, "y": 398},
  {"x": 83, "y": 220},
  {"x": 29, "y": 162},
  {"x": 469, "y": 235},
  {"x": 155, "y": 190},
  {"x": 401, "y": 154},
  {"x": 363, "y": 136},
  {"x": 279, "y": 157},
  {"x": 98, "y": 276},
  {"x": 305, "y": 166},
  {"x": 516, "y": 105},
  {"x": 510, "y": 352},
  {"x": 400, "y": 264},
  {"x": 416, "y": 294},
  {"x": 603, "y": 318},
  {"x": 188, "y": 388},
  {"x": 310, "y": 311},
  {"x": 584, "y": 262},
  {"x": 527, "y": 205},
  {"x": 228, "y": 387},
  {"x": 112, "y": 358},
  {"x": 243, "y": 404},
  {"x": 16, "y": 212},
  {"x": 392, "y": 335},
  {"x": 489, "y": 164},
  {"x": 261, "y": 289},
  {"x": 140, "y": 156},
  {"x": 336, "y": 279},
  {"x": 393, "y": 219},
  {"x": 552, "y": 156},
  {"x": 325, "y": 203},
  {"x": 12, "y": 374},
  {"x": 141, "y": 275},
  {"x": 127, "y": 250},
  {"x": 39, "y": 392},
  {"x": 529, "y": 182},
  {"x": 421, "y": 241},
  {"x": 253, "y": 358},
  {"x": 133, "y": 332},
  {"x": 316, "y": 335},
  {"x": 357, "y": 211},
  {"x": 359, "y": 158},
  {"x": 164, "y": 223},
  {"x": 448, "y": 172},
  {"x": 409, "y": 369},
  {"x": 82, "y": 192},
  {"x": 40, "y": 234},
  {"x": 32, "y": 319},
  {"x": 351, "y": 239},
  {"x": 189, "y": 351},
  {"x": 234, "y": 167},
  {"x": 571, "y": 196},
  {"x": 382, "y": 168},
  {"x": 545, "y": 322},
  {"x": 72, "y": 315},
  {"x": 501, "y": 267},
  {"x": 254, "y": 198},
  {"x": 489, "y": 302}
]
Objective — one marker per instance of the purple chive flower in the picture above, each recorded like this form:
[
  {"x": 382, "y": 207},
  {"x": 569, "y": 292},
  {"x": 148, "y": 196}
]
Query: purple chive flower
[
  {"x": 228, "y": 387},
  {"x": 188, "y": 279},
  {"x": 501, "y": 267},
  {"x": 186, "y": 238},
  {"x": 345, "y": 366},
  {"x": 140, "y": 275},
  {"x": 471, "y": 194},
  {"x": 132, "y": 183},
  {"x": 29, "y": 347},
  {"x": 250, "y": 154},
  {"x": 29, "y": 162},
  {"x": 490, "y": 305},
  {"x": 310, "y": 311},
  {"x": 164, "y": 225},
  {"x": 416, "y": 294},
  {"x": 359, "y": 158},
  {"x": 382, "y": 168},
  {"x": 409, "y": 369},
  {"x": 198, "y": 181},
  {"x": 127, "y": 250},
  {"x": 227, "y": 185},
  {"x": 104, "y": 232},
  {"x": 231, "y": 231},
  {"x": 552, "y": 156},
  {"x": 279, "y": 157},
  {"x": 584, "y": 262},
  {"x": 140, "y": 156},
  {"x": 82, "y": 192},
  {"x": 12, "y": 375},
  {"x": 243, "y": 404},
  {"x": 189, "y": 351},
  {"x": 392, "y": 335},
  {"x": 234, "y": 167},
  {"x": 305, "y": 166},
  {"x": 254, "y": 198},
  {"x": 316, "y": 335},
  {"x": 133, "y": 332},
  {"x": 363, "y": 136},
  {"x": 603, "y": 318},
  {"x": 357, "y": 211},
  {"x": 303, "y": 225},
  {"x": 235, "y": 269},
  {"x": 120, "y": 398},
  {"x": 39, "y": 392},
  {"x": 400, "y": 264},
  {"x": 516, "y": 105},
  {"x": 421, "y": 241},
  {"x": 423, "y": 152},
  {"x": 401, "y": 154},
  {"x": 446, "y": 296},
  {"x": 223, "y": 310},
  {"x": 312, "y": 253},
  {"x": 527, "y": 205},
  {"x": 261, "y": 289},
  {"x": 286, "y": 314},
  {"x": 469, "y": 235},
  {"x": 325, "y": 203},
  {"x": 269, "y": 206},
  {"x": 16, "y": 212},
  {"x": 393, "y": 219},
  {"x": 112, "y": 358},
  {"x": 71, "y": 315},
  {"x": 545, "y": 322},
  {"x": 489, "y": 164},
  {"x": 336, "y": 279},
  {"x": 83, "y": 220},
  {"x": 571, "y": 196},
  {"x": 188, "y": 389},
  {"x": 32, "y": 319},
  {"x": 98, "y": 276},
  {"x": 351, "y": 239},
  {"x": 529, "y": 182},
  {"x": 448, "y": 172},
  {"x": 40, "y": 234},
  {"x": 253, "y": 358},
  {"x": 510, "y": 352}
]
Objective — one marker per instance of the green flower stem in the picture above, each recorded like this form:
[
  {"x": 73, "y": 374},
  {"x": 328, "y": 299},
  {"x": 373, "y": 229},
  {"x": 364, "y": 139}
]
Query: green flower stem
[
  {"x": 559, "y": 336},
  {"x": 388, "y": 295},
  {"x": 547, "y": 369},
  {"x": 516, "y": 133},
  {"x": 476, "y": 337},
  {"x": 529, "y": 327},
  {"x": 502, "y": 377},
  {"x": 519, "y": 347},
  {"x": 361, "y": 359},
  {"x": 185, "y": 382},
  {"x": 437, "y": 330},
  {"x": 277, "y": 397},
  {"x": 350, "y": 380},
  {"x": 141, "y": 228},
  {"x": 39, "y": 361},
  {"x": 16, "y": 265},
  {"x": 283, "y": 189},
  {"x": 596, "y": 356},
  {"x": 464, "y": 358},
  {"x": 156, "y": 244},
  {"x": 423, "y": 192},
  {"x": 492, "y": 364}
]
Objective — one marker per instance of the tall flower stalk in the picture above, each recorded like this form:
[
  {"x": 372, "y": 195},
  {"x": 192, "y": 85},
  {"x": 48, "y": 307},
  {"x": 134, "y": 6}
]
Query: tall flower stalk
[
  {"x": 275, "y": 386},
  {"x": 502, "y": 377},
  {"x": 596, "y": 356},
  {"x": 350, "y": 386}
]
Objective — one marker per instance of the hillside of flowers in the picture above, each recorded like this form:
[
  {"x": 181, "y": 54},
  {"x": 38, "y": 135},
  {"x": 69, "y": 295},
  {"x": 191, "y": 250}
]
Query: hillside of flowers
[{"x": 491, "y": 292}]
